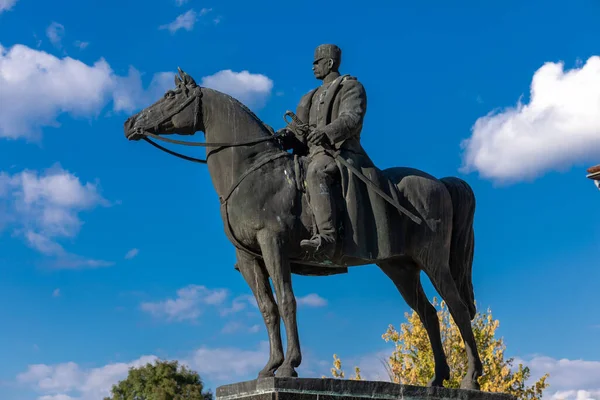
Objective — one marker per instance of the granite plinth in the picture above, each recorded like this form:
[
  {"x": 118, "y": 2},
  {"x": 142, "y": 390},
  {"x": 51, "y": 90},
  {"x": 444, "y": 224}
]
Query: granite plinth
[{"x": 342, "y": 389}]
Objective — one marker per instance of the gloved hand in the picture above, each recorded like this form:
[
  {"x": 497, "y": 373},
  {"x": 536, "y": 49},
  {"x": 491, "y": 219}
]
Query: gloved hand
[{"x": 317, "y": 136}]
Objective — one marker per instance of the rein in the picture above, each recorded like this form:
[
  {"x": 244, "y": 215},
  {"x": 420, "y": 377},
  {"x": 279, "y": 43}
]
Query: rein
[
  {"x": 196, "y": 97},
  {"x": 200, "y": 144}
]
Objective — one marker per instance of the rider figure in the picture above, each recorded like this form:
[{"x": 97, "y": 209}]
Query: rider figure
[{"x": 335, "y": 111}]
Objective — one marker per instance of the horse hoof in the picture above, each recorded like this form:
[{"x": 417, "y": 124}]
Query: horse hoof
[
  {"x": 266, "y": 374},
  {"x": 442, "y": 374},
  {"x": 435, "y": 382},
  {"x": 286, "y": 372},
  {"x": 469, "y": 384}
]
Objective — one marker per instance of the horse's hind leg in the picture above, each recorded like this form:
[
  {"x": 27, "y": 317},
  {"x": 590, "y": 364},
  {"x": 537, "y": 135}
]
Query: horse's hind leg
[
  {"x": 444, "y": 283},
  {"x": 278, "y": 266},
  {"x": 258, "y": 280},
  {"x": 406, "y": 276}
]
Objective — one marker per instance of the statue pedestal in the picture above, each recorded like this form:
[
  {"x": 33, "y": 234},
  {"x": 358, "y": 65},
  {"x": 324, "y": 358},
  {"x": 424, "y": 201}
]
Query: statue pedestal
[{"x": 342, "y": 389}]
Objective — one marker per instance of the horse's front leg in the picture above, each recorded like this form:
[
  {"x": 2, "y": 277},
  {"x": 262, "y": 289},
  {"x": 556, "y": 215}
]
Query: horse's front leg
[
  {"x": 257, "y": 278},
  {"x": 278, "y": 266}
]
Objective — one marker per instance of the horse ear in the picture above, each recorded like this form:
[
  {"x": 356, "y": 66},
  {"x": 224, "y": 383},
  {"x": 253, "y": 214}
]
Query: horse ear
[
  {"x": 187, "y": 79},
  {"x": 191, "y": 81},
  {"x": 178, "y": 81}
]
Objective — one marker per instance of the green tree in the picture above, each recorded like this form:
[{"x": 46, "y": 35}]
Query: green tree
[
  {"x": 411, "y": 361},
  {"x": 163, "y": 380}
]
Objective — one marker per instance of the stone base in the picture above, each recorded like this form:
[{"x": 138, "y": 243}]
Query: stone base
[{"x": 342, "y": 389}]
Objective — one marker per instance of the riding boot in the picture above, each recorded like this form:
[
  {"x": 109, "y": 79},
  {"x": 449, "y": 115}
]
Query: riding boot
[{"x": 323, "y": 206}]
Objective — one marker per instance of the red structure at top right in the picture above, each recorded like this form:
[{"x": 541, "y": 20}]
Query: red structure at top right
[{"x": 594, "y": 174}]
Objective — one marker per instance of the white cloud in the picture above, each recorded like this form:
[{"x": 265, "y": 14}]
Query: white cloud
[
  {"x": 230, "y": 364},
  {"x": 6, "y": 5},
  {"x": 239, "y": 304},
  {"x": 225, "y": 364},
  {"x": 58, "y": 188},
  {"x": 41, "y": 87},
  {"x": 61, "y": 381},
  {"x": 181, "y": 2},
  {"x": 188, "y": 305},
  {"x": 56, "y": 397},
  {"x": 73, "y": 261},
  {"x": 251, "y": 89},
  {"x": 577, "y": 395},
  {"x": 569, "y": 379},
  {"x": 205, "y": 11},
  {"x": 56, "y": 293},
  {"x": 193, "y": 300},
  {"x": 129, "y": 93},
  {"x": 72, "y": 381},
  {"x": 559, "y": 128},
  {"x": 55, "y": 33},
  {"x": 81, "y": 45},
  {"x": 311, "y": 300},
  {"x": 45, "y": 207},
  {"x": 185, "y": 21},
  {"x": 132, "y": 254},
  {"x": 43, "y": 244},
  {"x": 232, "y": 327},
  {"x": 236, "y": 326}
]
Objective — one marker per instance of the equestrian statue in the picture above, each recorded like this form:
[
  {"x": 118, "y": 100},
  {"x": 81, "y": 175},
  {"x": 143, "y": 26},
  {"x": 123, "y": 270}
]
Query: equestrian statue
[{"x": 307, "y": 199}]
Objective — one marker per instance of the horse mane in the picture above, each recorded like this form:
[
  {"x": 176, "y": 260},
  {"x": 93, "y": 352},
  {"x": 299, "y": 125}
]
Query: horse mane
[{"x": 264, "y": 127}]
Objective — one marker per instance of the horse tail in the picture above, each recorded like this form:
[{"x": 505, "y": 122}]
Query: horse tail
[{"x": 462, "y": 245}]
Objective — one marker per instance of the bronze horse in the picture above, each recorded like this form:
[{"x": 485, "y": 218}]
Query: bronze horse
[{"x": 266, "y": 216}]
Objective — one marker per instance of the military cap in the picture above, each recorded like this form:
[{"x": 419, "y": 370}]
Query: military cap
[{"x": 328, "y": 51}]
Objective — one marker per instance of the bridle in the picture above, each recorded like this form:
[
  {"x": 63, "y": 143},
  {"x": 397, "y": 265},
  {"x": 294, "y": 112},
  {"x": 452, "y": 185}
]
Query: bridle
[
  {"x": 296, "y": 126},
  {"x": 196, "y": 97}
]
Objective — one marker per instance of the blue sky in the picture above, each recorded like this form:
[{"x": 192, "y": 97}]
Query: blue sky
[{"x": 113, "y": 252}]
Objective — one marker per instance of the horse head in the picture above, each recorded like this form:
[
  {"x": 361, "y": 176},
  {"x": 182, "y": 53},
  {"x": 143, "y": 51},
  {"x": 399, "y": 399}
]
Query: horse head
[{"x": 178, "y": 111}]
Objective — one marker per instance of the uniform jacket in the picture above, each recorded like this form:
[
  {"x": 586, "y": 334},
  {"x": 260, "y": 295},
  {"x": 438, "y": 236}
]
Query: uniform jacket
[
  {"x": 367, "y": 219},
  {"x": 345, "y": 106}
]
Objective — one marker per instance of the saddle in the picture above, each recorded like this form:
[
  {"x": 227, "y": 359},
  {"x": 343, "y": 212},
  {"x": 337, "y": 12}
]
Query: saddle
[{"x": 365, "y": 220}]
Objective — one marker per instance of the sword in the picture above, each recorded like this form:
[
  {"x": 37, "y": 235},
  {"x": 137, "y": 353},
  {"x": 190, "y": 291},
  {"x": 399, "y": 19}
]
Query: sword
[
  {"x": 380, "y": 192},
  {"x": 302, "y": 126}
]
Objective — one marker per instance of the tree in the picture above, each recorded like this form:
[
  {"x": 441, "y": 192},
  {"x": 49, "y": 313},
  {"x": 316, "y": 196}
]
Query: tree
[
  {"x": 337, "y": 371},
  {"x": 163, "y": 380},
  {"x": 412, "y": 363}
]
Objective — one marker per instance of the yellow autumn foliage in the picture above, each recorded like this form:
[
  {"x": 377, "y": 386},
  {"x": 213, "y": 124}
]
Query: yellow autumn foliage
[
  {"x": 337, "y": 371},
  {"x": 411, "y": 362}
]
